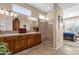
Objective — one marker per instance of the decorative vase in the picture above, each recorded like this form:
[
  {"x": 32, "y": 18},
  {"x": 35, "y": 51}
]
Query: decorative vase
[{"x": 36, "y": 29}]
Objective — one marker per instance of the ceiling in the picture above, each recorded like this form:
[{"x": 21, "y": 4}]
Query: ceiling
[
  {"x": 45, "y": 7},
  {"x": 68, "y": 5}
]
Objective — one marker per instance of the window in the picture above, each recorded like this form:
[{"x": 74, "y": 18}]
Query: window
[
  {"x": 72, "y": 26},
  {"x": 21, "y": 10}
]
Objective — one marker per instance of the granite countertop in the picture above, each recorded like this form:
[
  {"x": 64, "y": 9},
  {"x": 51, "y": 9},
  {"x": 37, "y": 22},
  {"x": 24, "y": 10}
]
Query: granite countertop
[{"x": 17, "y": 34}]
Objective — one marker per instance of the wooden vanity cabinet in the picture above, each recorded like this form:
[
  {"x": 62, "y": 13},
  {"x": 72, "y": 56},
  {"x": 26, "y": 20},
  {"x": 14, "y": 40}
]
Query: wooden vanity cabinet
[
  {"x": 16, "y": 43},
  {"x": 20, "y": 42}
]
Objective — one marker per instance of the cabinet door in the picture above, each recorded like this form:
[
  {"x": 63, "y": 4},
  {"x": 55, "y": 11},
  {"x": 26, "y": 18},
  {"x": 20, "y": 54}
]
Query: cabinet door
[
  {"x": 37, "y": 39},
  {"x": 19, "y": 43},
  {"x": 9, "y": 41},
  {"x": 26, "y": 42},
  {"x": 34, "y": 39},
  {"x": 30, "y": 40},
  {"x": 22, "y": 41}
]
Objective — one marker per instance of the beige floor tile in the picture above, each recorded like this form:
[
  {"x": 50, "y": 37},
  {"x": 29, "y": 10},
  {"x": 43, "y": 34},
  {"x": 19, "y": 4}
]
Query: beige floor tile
[{"x": 45, "y": 50}]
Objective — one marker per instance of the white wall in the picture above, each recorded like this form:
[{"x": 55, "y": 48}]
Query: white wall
[
  {"x": 42, "y": 29},
  {"x": 57, "y": 33}
]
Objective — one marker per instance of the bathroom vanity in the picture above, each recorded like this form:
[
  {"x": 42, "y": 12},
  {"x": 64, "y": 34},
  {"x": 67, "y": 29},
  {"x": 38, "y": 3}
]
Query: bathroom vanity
[{"x": 19, "y": 41}]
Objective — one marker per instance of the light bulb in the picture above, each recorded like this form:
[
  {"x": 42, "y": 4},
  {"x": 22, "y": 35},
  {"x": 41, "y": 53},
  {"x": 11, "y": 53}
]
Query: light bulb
[
  {"x": 32, "y": 18},
  {"x": 1, "y": 11},
  {"x": 29, "y": 18},
  {"x": 11, "y": 14},
  {"x": 6, "y": 12},
  {"x": 15, "y": 15}
]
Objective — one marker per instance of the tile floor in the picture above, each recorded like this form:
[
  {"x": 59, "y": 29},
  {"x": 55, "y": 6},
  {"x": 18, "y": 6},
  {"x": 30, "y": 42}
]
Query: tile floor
[{"x": 45, "y": 50}]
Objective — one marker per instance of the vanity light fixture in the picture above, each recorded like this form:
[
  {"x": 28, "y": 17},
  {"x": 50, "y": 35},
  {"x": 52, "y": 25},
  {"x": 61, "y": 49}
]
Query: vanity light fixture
[
  {"x": 41, "y": 16},
  {"x": 15, "y": 15},
  {"x": 32, "y": 18},
  {"x": 29, "y": 17},
  {"x": 35, "y": 19},
  {"x": 8, "y": 12},
  {"x": 11, "y": 14},
  {"x": 1, "y": 11}
]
